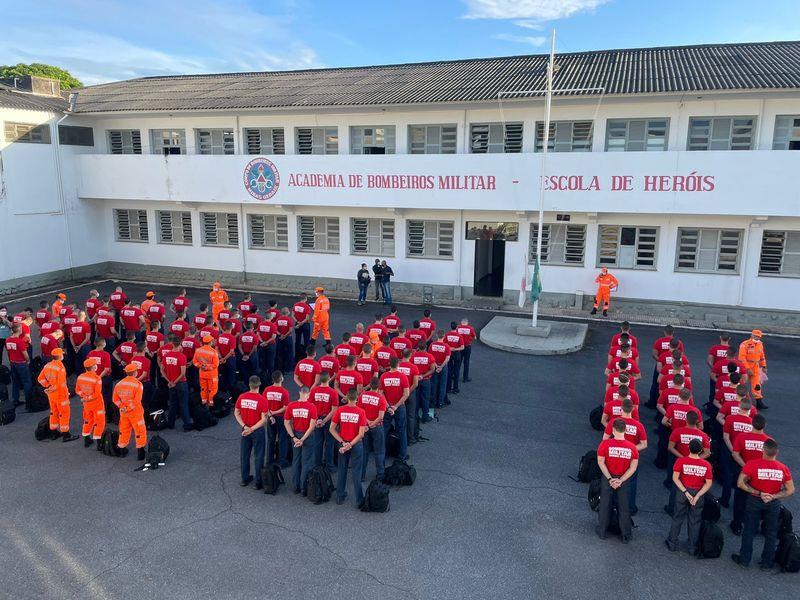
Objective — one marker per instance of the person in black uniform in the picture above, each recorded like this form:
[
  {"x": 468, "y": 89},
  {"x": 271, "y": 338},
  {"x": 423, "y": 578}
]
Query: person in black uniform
[
  {"x": 363, "y": 278},
  {"x": 377, "y": 270}
]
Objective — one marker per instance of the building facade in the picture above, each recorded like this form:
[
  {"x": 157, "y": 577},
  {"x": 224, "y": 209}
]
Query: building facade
[{"x": 674, "y": 168}]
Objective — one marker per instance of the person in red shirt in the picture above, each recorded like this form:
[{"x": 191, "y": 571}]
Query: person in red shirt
[
  {"x": 180, "y": 304},
  {"x": 92, "y": 305},
  {"x": 277, "y": 400},
  {"x": 468, "y": 335},
  {"x": 660, "y": 346},
  {"x": 618, "y": 353},
  {"x": 344, "y": 350},
  {"x": 268, "y": 336},
  {"x": 348, "y": 378},
  {"x": 226, "y": 346},
  {"x": 400, "y": 342},
  {"x": 300, "y": 421},
  {"x": 348, "y": 427},
  {"x": 358, "y": 338},
  {"x": 199, "y": 320},
  {"x": 614, "y": 378},
  {"x": 189, "y": 345},
  {"x": 383, "y": 353},
  {"x": 326, "y": 399},
  {"x": 301, "y": 313},
  {"x": 43, "y": 315},
  {"x": 767, "y": 481},
  {"x": 749, "y": 446},
  {"x": 426, "y": 325},
  {"x": 248, "y": 352},
  {"x": 153, "y": 340},
  {"x": 143, "y": 370},
  {"x": 103, "y": 360},
  {"x": 680, "y": 397},
  {"x": 372, "y": 401},
  {"x": 329, "y": 363},
  {"x": 246, "y": 306},
  {"x": 50, "y": 342},
  {"x": 285, "y": 348},
  {"x": 392, "y": 321},
  {"x": 692, "y": 477},
  {"x": 180, "y": 326},
  {"x": 225, "y": 314},
  {"x": 426, "y": 364},
  {"x": 173, "y": 367},
  {"x": 618, "y": 460},
  {"x": 410, "y": 370},
  {"x": 715, "y": 353},
  {"x": 132, "y": 319},
  {"x": 622, "y": 341},
  {"x": 307, "y": 371},
  {"x": 366, "y": 365},
  {"x": 378, "y": 326},
  {"x": 80, "y": 334},
  {"x": 614, "y": 409},
  {"x": 251, "y": 414},
  {"x": 125, "y": 351},
  {"x": 614, "y": 392},
  {"x": 440, "y": 350},
  {"x": 456, "y": 343},
  {"x": 636, "y": 434},
  {"x": 17, "y": 348},
  {"x": 679, "y": 446},
  {"x": 396, "y": 388},
  {"x": 416, "y": 335},
  {"x": 736, "y": 423},
  {"x": 273, "y": 309},
  {"x": 156, "y": 313},
  {"x": 624, "y": 329}
]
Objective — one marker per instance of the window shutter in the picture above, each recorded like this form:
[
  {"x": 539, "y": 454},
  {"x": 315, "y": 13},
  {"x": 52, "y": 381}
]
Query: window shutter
[
  {"x": 265, "y": 140},
  {"x": 729, "y": 243},
  {"x": 446, "y": 238},
  {"x": 361, "y": 236},
  {"x": 545, "y": 243},
  {"x": 575, "y": 244},
  {"x": 609, "y": 244},
  {"x": 307, "y": 233},
  {"x": 513, "y": 138},
  {"x": 232, "y": 229},
  {"x": 257, "y": 237},
  {"x": 210, "y": 237},
  {"x": 416, "y": 238},
  {"x": 165, "y": 224},
  {"x": 123, "y": 224},
  {"x": 646, "y": 247}
]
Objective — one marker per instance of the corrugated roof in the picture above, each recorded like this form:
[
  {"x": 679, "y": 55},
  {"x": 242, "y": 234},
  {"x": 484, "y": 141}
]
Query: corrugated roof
[
  {"x": 753, "y": 66},
  {"x": 11, "y": 98}
]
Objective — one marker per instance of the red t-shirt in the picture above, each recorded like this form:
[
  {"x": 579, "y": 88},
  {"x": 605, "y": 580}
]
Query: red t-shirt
[
  {"x": 614, "y": 409},
  {"x": 245, "y": 307},
  {"x": 172, "y": 362},
  {"x": 67, "y": 321},
  {"x": 693, "y": 472},
  {"x": 416, "y": 336},
  {"x": 662, "y": 344},
  {"x": 329, "y": 364},
  {"x": 348, "y": 380},
  {"x": 142, "y": 367},
  {"x": 632, "y": 367},
  {"x": 392, "y": 322},
  {"x": 423, "y": 361},
  {"x": 277, "y": 397},
  {"x": 677, "y": 412},
  {"x": 668, "y": 383},
  {"x": 117, "y": 300},
  {"x": 153, "y": 341},
  {"x": 130, "y": 318},
  {"x": 189, "y": 346},
  {"x": 92, "y": 304},
  {"x": 721, "y": 367},
  {"x": 380, "y": 328},
  {"x": 384, "y": 355},
  {"x": 616, "y": 352},
  {"x": 238, "y": 328},
  {"x": 274, "y": 311},
  {"x": 394, "y": 384},
  {"x": 618, "y": 455},
  {"x": 399, "y": 344},
  {"x": 300, "y": 414},
  {"x": 342, "y": 351},
  {"x": 251, "y": 406},
  {"x": 409, "y": 370},
  {"x": 357, "y": 341},
  {"x": 725, "y": 395},
  {"x": 613, "y": 380},
  {"x": 41, "y": 317},
  {"x": 79, "y": 332},
  {"x": 440, "y": 351},
  {"x": 736, "y": 425},
  {"x": 635, "y": 432},
  {"x": 156, "y": 312},
  {"x": 50, "y": 326},
  {"x": 453, "y": 339},
  {"x": 612, "y": 393},
  {"x": 350, "y": 420},
  {"x": 180, "y": 304},
  {"x": 731, "y": 407},
  {"x": 301, "y": 311},
  {"x": 324, "y": 398},
  {"x": 284, "y": 325},
  {"x": 266, "y": 330},
  {"x": 126, "y": 350},
  {"x": 368, "y": 367},
  {"x": 372, "y": 403},
  {"x": 210, "y": 330},
  {"x": 248, "y": 341},
  {"x": 179, "y": 327},
  {"x": 766, "y": 476},
  {"x": 633, "y": 341},
  {"x": 681, "y": 438},
  {"x": 226, "y": 343},
  {"x": 427, "y": 327},
  {"x": 47, "y": 344},
  {"x": 102, "y": 358},
  {"x": 467, "y": 333},
  {"x": 307, "y": 371},
  {"x": 750, "y": 445},
  {"x": 717, "y": 352},
  {"x": 253, "y": 318}
]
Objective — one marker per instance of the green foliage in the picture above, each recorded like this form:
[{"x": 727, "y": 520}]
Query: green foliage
[{"x": 39, "y": 69}]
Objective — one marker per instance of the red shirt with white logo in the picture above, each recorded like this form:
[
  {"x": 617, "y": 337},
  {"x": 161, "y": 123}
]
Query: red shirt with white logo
[
  {"x": 142, "y": 367},
  {"x": 324, "y": 398},
  {"x": 226, "y": 343},
  {"x": 467, "y": 334},
  {"x": 681, "y": 438},
  {"x": 199, "y": 320},
  {"x": 662, "y": 344},
  {"x": 427, "y": 326},
  {"x": 251, "y": 405},
  {"x": 41, "y": 317},
  {"x": 266, "y": 331},
  {"x": 329, "y": 364},
  {"x": 614, "y": 409},
  {"x": 717, "y": 352},
  {"x": 618, "y": 455},
  {"x": 635, "y": 432},
  {"x": 416, "y": 336},
  {"x": 382, "y": 330},
  {"x": 731, "y": 407},
  {"x": 632, "y": 368},
  {"x": 245, "y": 307},
  {"x": 130, "y": 318},
  {"x": 454, "y": 339},
  {"x": 350, "y": 420},
  {"x": 440, "y": 351},
  {"x": 50, "y": 326},
  {"x": 736, "y": 425},
  {"x": 633, "y": 341},
  {"x": 612, "y": 393},
  {"x": 153, "y": 340},
  {"x": 277, "y": 397},
  {"x": 668, "y": 383},
  {"x": 47, "y": 344},
  {"x": 117, "y": 300},
  {"x": 79, "y": 333},
  {"x": 92, "y": 304},
  {"x": 400, "y": 344},
  {"x": 392, "y": 322},
  {"x": 357, "y": 341},
  {"x": 172, "y": 362},
  {"x": 348, "y": 379},
  {"x": 126, "y": 350},
  {"x": 342, "y": 351},
  {"x": 285, "y": 325},
  {"x": 253, "y": 318},
  {"x": 693, "y": 472},
  {"x": 750, "y": 445},
  {"x": 677, "y": 412},
  {"x": 301, "y": 311},
  {"x": 300, "y": 414},
  {"x": 179, "y": 327},
  {"x": 210, "y": 330},
  {"x": 372, "y": 402},
  {"x": 613, "y": 380},
  {"x": 616, "y": 352},
  {"x": 394, "y": 384},
  {"x": 189, "y": 346},
  {"x": 180, "y": 304},
  {"x": 15, "y": 346},
  {"x": 102, "y": 358},
  {"x": 384, "y": 355},
  {"x": 423, "y": 361},
  {"x": 248, "y": 342},
  {"x": 307, "y": 371},
  {"x": 156, "y": 312},
  {"x": 766, "y": 476},
  {"x": 368, "y": 367},
  {"x": 408, "y": 369}
]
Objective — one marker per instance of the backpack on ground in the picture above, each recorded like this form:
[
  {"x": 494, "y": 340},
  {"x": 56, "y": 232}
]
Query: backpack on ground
[
  {"x": 376, "y": 498},
  {"x": 319, "y": 485},
  {"x": 43, "y": 431},
  {"x": 109, "y": 443},
  {"x": 222, "y": 405},
  {"x": 5, "y": 375},
  {"x": 788, "y": 553},
  {"x": 784, "y": 522},
  {"x": 711, "y": 540},
  {"x": 156, "y": 453},
  {"x": 156, "y": 420},
  {"x": 596, "y": 418},
  {"x": 593, "y": 495},
  {"x": 7, "y": 411},
  {"x": 711, "y": 509},
  {"x": 588, "y": 469},
  {"x": 399, "y": 473},
  {"x": 202, "y": 417},
  {"x": 393, "y": 444},
  {"x": 272, "y": 478},
  {"x": 37, "y": 364},
  {"x": 38, "y": 400}
]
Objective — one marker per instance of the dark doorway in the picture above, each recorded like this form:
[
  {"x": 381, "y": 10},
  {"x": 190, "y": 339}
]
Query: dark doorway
[{"x": 490, "y": 261}]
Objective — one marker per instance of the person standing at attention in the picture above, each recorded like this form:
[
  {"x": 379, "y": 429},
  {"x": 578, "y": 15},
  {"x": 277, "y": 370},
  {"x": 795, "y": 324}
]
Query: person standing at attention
[
  {"x": 363, "y": 278},
  {"x": 377, "y": 270}
]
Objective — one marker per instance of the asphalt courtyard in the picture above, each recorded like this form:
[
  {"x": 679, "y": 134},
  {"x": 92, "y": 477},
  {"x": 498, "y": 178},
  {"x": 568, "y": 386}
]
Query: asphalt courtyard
[{"x": 493, "y": 513}]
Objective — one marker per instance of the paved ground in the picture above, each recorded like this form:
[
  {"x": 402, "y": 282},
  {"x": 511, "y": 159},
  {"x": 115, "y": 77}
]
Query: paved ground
[{"x": 493, "y": 512}]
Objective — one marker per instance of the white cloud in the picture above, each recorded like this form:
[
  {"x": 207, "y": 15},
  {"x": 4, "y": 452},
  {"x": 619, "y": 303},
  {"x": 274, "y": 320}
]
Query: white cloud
[
  {"x": 521, "y": 39},
  {"x": 529, "y": 24},
  {"x": 533, "y": 10}
]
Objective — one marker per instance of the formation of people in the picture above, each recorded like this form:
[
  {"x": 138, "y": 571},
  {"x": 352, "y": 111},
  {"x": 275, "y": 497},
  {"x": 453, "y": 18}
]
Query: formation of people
[
  {"x": 376, "y": 388},
  {"x": 744, "y": 460}
]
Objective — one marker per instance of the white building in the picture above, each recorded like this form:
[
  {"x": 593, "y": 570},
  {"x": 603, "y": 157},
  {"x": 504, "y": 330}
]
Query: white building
[{"x": 671, "y": 166}]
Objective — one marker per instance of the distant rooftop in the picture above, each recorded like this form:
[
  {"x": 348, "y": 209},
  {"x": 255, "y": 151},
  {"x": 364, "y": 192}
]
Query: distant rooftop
[{"x": 711, "y": 67}]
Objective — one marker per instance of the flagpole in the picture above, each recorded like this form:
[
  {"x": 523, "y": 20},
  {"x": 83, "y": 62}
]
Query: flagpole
[{"x": 546, "y": 139}]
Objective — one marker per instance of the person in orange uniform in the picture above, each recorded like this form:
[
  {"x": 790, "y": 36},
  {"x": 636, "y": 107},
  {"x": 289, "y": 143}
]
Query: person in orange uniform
[
  {"x": 322, "y": 317},
  {"x": 128, "y": 398},
  {"x": 751, "y": 353},
  {"x": 53, "y": 379},
  {"x": 218, "y": 298},
  {"x": 206, "y": 359},
  {"x": 57, "y": 305},
  {"x": 89, "y": 388},
  {"x": 606, "y": 283}
]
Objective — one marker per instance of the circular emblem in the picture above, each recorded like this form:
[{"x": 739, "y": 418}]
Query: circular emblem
[{"x": 261, "y": 178}]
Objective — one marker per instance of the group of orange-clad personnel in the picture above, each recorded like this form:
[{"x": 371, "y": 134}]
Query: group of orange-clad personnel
[{"x": 744, "y": 457}]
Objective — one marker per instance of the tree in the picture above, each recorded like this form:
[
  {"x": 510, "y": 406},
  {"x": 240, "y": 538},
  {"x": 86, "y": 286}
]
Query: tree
[{"x": 41, "y": 70}]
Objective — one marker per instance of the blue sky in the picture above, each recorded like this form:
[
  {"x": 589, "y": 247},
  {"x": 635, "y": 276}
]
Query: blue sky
[{"x": 106, "y": 40}]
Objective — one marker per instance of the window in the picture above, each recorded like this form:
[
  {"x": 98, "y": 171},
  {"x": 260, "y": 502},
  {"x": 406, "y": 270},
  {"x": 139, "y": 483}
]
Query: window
[
  {"x": 130, "y": 225},
  {"x": 562, "y": 244},
  {"x": 787, "y": 133},
  {"x": 780, "y": 253},
  {"x": 430, "y": 239},
  {"x": 721, "y": 133},
  {"x": 168, "y": 141},
  {"x": 269, "y": 232},
  {"x": 214, "y": 141},
  {"x": 174, "y": 227},
  {"x": 565, "y": 136},
  {"x": 24, "y": 132},
  {"x": 124, "y": 141},
  {"x": 495, "y": 137},
  {"x": 317, "y": 140},
  {"x": 708, "y": 250},
  {"x": 431, "y": 139},
  {"x": 265, "y": 141},
  {"x": 318, "y": 234},
  {"x": 72, "y": 135},
  {"x": 627, "y": 247},
  {"x": 636, "y": 135},
  {"x": 372, "y": 236},
  {"x": 220, "y": 229},
  {"x": 372, "y": 140}
]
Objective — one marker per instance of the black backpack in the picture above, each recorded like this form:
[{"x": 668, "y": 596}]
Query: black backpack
[
  {"x": 376, "y": 498},
  {"x": 38, "y": 400},
  {"x": 37, "y": 364},
  {"x": 593, "y": 495},
  {"x": 7, "y": 411},
  {"x": 43, "y": 431},
  {"x": 400, "y": 473},
  {"x": 202, "y": 417},
  {"x": 788, "y": 553},
  {"x": 156, "y": 453},
  {"x": 5, "y": 375},
  {"x": 156, "y": 420},
  {"x": 588, "y": 469},
  {"x": 319, "y": 485},
  {"x": 711, "y": 510},
  {"x": 596, "y": 418},
  {"x": 271, "y": 477},
  {"x": 393, "y": 444},
  {"x": 109, "y": 443},
  {"x": 784, "y": 522},
  {"x": 222, "y": 405},
  {"x": 711, "y": 540}
]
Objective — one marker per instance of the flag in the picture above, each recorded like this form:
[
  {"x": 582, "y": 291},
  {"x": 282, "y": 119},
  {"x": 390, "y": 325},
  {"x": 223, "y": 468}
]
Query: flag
[
  {"x": 536, "y": 283},
  {"x": 524, "y": 283}
]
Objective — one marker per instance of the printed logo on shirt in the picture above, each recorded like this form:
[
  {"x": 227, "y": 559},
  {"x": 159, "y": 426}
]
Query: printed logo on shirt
[
  {"x": 631, "y": 429},
  {"x": 343, "y": 351},
  {"x": 405, "y": 371},
  {"x": 688, "y": 437},
  {"x": 322, "y": 397},
  {"x": 696, "y": 470},
  {"x": 755, "y": 445},
  {"x": 171, "y": 360},
  {"x": 391, "y": 381},
  {"x": 300, "y": 413},
  {"x": 421, "y": 360},
  {"x": 742, "y": 427},
  {"x": 770, "y": 474},
  {"x": 251, "y": 404},
  {"x": 349, "y": 417},
  {"x": 364, "y": 367},
  {"x": 274, "y": 396},
  {"x": 437, "y": 347},
  {"x": 370, "y": 399},
  {"x": 618, "y": 452},
  {"x": 347, "y": 379},
  {"x": 305, "y": 367}
]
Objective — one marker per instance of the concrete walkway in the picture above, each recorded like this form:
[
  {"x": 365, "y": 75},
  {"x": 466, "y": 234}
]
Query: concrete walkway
[{"x": 551, "y": 337}]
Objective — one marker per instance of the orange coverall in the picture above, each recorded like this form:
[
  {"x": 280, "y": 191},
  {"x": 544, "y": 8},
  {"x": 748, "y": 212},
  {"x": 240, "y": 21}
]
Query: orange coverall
[
  {"x": 218, "y": 299},
  {"x": 128, "y": 398},
  {"x": 146, "y": 304},
  {"x": 322, "y": 318},
  {"x": 604, "y": 284},
  {"x": 53, "y": 379},
  {"x": 751, "y": 353},
  {"x": 206, "y": 359},
  {"x": 89, "y": 386},
  {"x": 56, "y": 308}
]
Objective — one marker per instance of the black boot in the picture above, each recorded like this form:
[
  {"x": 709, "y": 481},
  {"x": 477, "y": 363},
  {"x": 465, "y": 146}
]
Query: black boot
[
  {"x": 55, "y": 434},
  {"x": 140, "y": 454},
  {"x": 66, "y": 437},
  {"x": 605, "y": 312},
  {"x": 760, "y": 404},
  {"x": 87, "y": 441},
  {"x": 123, "y": 452},
  {"x": 594, "y": 311}
]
